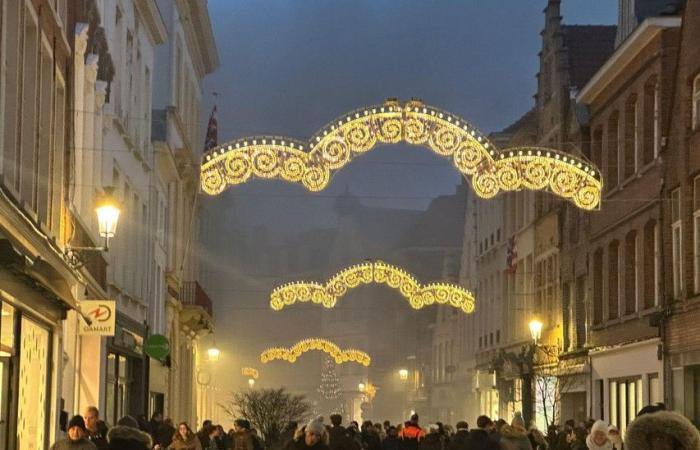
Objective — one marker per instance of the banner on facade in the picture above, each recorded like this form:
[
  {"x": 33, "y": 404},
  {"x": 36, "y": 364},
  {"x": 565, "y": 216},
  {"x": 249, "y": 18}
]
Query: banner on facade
[{"x": 99, "y": 317}]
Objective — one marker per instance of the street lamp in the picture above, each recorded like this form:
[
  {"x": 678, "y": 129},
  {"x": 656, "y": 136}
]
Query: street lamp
[
  {"x": 251, "y": 382},
  {"x": 361, "y": 387},
  {"x": 403, "y": 374},
  {"x": 213, "y": 353},
  {"x": 107, "y": 209},
  {"x": 535, "y": 330}
]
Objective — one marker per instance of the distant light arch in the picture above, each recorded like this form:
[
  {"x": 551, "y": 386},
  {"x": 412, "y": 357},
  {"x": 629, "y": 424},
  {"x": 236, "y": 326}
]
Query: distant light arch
[{"x": 291, "y": 354}]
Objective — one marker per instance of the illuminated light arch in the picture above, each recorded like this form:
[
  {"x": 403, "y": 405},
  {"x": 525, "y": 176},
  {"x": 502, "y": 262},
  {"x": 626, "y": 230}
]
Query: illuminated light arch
[
  {"x": 377, "y": 272},
  {"x": 250, "y": 372},
  {"x": 307, "y": 345},
  {"x": 312, "y": 163}
]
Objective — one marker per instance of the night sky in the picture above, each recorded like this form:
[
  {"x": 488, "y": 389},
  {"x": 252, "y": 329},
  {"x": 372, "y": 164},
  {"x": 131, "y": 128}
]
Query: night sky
[{"x": 290, "y": 66}]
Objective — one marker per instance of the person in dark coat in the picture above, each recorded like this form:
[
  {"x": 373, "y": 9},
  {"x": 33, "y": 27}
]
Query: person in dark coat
[
  {"x": 434, "y": 440},
  {"x": 662, "y": 430},
  {"x": 514, "y": 436},
  {"x": 370, "y": 437},
  {"x": 482, "y": 437},
  {"x": 127, "y": 436},
  {"x": 286, "y": 436},
  {"x": 77, "y": 437},
  {"x": 165, "y": 433},
  {"x": 459, "y": 440},
  {"x": 339, "y": 438},
  {"x": 392, "y": 441}
]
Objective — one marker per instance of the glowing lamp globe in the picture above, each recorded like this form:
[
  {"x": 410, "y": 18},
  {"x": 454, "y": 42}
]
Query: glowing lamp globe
[
  {"x": 214, "y": 354},
  {"x": 251, "y": 382},
  {"x": 361, "y": 387},
  {"x": 535, "y": 329},
  {"x": 107, "y": 210},
  {"x": 403, "y": 374}
]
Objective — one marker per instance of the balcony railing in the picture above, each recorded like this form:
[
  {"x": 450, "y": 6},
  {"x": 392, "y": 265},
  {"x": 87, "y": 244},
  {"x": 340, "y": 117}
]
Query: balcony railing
[{"x": 193, "y": 294}]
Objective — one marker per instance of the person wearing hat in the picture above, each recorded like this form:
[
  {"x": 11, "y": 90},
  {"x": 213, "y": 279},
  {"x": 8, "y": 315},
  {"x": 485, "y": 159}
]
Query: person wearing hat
[
  {"x": 127, "y": 435},
  {"x": 77, "y": 437},
  {"x": 598, "y": 437},
  {"x": 460, "y": 438},
  {"x": 662, "y": 430},
  {"x": 313, "y": 437},
  {"x": 514, "y": 436}
]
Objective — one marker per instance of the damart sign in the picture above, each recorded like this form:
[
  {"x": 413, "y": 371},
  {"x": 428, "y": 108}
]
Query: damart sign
[{"x": 99, "y": 317}]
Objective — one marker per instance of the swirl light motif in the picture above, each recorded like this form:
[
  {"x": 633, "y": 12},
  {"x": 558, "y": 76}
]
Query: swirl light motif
[
  {"x": 312, "y": 163},
  {"x": 324, "y": 345},
  {"x": 368, "y": 272},
  {"x": 250, "y": 372}
]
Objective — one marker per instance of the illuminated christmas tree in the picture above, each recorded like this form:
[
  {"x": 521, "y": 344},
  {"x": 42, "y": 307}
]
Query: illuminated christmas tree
[{"x": 330, "y": 397}]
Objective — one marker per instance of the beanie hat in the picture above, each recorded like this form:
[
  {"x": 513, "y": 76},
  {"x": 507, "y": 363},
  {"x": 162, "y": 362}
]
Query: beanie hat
[
  {"x": 518, "y": 421},
  {"x": 316, "y": 427},
  {"x": 599, "y": 425},
  {"x": 77, "y": 421}
]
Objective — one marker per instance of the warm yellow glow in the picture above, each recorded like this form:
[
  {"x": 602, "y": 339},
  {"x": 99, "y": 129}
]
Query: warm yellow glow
[
  {"x": 251, "y": 382},
  {"x": 403, "y": 374},
  {"x": 291, "y": 354},
  {"x": 361, "y": 387},
  {"x": 250, "y": 372},
  {"x": 213, "y": 353},
  {"x": 332, "y": 148},
  {"x": 377, "y": 272},
  {"x": 107, "y": 209},
  {"x": 535, "y": 329}
]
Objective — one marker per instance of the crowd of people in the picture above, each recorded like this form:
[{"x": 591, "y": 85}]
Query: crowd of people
[{"x": 654, "y": 428}]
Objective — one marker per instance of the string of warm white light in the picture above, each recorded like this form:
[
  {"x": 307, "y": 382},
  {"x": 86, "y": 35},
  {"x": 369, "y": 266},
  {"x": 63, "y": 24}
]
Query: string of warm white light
[
  {"x": 312, "y": 163},
  {"x": 250, "y": 372},
  {"x": 368, "y": 272},
  {"x": 324, "y": 345}
]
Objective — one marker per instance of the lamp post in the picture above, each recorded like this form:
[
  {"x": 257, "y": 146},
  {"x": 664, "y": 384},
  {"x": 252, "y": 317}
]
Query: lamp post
[
  {"x": 251, "y": 383},
  {"x": 403, "y": 374},
  {"x": 107, "y": 209},
  {"x": 213, "y": 353}
]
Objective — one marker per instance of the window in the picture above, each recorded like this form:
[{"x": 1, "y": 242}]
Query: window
[
  {"x": 612, "y": 149},
  {"x": 27, "y": 158},
  {"x": 11, "y": 63},
  {"x": 597, "y": 147},
  {"x": 613, "y": 280},
  {"x": 598, "y": 286},
  {"x": 650, "y": 127},
  {"x": 625, "y": 400},
  {"x": 44, "y": 178},
  {"x": 631, "y": 273},
  {"x": 696, "y": 233},
  {"x": 677, "y": 242},
  {"x": 651, "y": 264},
  {"x": 696, "y": 102},
  {"x": 631, "y": 143},
  {"x": 580, "y": 312}
]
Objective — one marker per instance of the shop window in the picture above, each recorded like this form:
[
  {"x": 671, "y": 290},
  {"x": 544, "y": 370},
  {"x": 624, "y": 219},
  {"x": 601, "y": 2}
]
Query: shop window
[
  {"x": 654, "y": 389},
  {"x": 117, "y": 392},
  {"x": 625, "y": 400},
  {"x": 7, "y": 351},
  {"x": 33, "y": 386}
]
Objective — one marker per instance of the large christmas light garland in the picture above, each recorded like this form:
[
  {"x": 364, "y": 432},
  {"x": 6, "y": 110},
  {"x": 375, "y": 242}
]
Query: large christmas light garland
[
  {"x": 324, "y": 345},
  {"x": 368, "y": 272},
  {"x": 250, "y": 372},
  {"x": 312, "y": 163}
]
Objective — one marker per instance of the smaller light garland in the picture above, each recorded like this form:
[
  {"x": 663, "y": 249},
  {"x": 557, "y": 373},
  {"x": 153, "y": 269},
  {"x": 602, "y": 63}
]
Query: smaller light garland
[
  {"x": 307, "y": 345},
  {"x": 250, "y": 372},
  {"x": 379, "y": 272}
]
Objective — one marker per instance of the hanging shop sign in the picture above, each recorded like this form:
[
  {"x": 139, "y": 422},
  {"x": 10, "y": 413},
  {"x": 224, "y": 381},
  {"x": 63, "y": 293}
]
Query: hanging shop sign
[
  {"x": 157, "y": 346},
  {"x": 99, "y": 317}
]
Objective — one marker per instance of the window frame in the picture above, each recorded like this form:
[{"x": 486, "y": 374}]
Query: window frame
[
  {"x": 676, "y": 246},
  {"x": 695, "y": 124}
]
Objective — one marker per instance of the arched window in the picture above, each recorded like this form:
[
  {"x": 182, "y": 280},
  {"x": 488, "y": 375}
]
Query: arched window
[
  {"x": 651, "y": 264},
  {"x": 650, "y": 126},
  {"x": 631, "y": 272},
  {"x": 598, "y": 286},
  {"x": 614, "y": 280}
]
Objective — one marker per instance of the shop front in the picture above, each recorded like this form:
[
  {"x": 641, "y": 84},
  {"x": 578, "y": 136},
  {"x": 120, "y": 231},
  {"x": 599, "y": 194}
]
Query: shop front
[
  {"x": 126, "y": 373},
  {"x": 33, "y": 302}
]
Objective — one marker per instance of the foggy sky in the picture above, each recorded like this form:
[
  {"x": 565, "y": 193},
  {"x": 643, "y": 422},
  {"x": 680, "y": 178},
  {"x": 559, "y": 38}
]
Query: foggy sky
[{"x": 288, "y": 67}]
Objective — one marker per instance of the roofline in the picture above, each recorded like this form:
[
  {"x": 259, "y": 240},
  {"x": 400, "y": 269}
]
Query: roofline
[
  {"x": 624, "y": 54},
  {"x": 148, "y": 9},
  {"x": 200, "y": 35}
]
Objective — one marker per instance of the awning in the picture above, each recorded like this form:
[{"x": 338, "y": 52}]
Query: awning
[{"x": 38, "y": 271}]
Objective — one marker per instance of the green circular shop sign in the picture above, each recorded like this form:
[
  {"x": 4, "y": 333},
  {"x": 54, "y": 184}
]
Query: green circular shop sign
[{"x": 157, "y": 346}]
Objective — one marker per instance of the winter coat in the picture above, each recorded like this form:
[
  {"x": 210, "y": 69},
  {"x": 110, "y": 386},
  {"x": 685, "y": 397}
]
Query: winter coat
[
  {"x": 339, "y": 439},
  {"x": 459, "y": 440},
  {"x": 67, "y": 444},
  {"x": 664, "y": 422},
  {"x": 391, "y": 443},
  {"x": 371, "y": 441},
  {"x": 513, "y": 438},
  {"x": 481, "y": 440},
  {"x": 433, "y": 441},
  {"x": 300, "y": 444},
  {"x": 128, "y": 438},
  {"x": 410, "y": 436},
  {"x": 537, "y": 440},
  {"x": 165, "y": 435},
  {"x": 99, "y": 439},
  {"x": 192, "y": 443},
  {"x": 576, "y": 445},
  {"x": 243, "y": 440}
]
